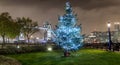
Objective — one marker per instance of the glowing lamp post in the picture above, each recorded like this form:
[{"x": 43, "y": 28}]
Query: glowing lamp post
[
  {"x": 109, "y": 36},
  {"x": 49, "y": 48}
]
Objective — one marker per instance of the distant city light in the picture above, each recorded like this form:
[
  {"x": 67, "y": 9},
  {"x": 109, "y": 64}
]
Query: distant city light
[
  {"x": 37, "y": 37},
  {"x": 116, "y": 23},
  {"x": 43, "y": 41},
  {"x": 31, "y": 36},
  {"x": 21, "y": 37}
]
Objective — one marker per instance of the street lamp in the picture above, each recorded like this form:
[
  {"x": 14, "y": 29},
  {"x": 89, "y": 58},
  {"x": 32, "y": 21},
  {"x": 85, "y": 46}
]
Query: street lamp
[{"x": 109, "y": 36}]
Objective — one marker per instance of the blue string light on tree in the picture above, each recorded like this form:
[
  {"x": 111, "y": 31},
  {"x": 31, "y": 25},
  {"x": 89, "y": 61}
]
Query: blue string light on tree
[{"x": 68, "y": 34}]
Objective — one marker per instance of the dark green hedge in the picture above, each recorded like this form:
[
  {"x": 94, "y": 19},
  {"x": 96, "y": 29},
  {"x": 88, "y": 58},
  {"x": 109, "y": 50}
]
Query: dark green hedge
[{"x": 26, "y": 49}]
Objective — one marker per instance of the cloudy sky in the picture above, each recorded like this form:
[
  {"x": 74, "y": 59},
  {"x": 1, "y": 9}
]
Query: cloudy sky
[{"x": 92, "y": 14}]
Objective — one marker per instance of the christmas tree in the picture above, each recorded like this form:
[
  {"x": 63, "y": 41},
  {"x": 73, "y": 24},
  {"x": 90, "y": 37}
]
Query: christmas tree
[{"x": 67, "y": 33}]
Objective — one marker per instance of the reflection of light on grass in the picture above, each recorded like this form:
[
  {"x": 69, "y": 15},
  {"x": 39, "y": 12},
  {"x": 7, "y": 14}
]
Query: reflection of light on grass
[{"x": 49, "y": 49}]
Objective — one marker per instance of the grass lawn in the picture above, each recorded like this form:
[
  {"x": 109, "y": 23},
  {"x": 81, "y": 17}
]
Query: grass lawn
[{"x": 82, "y": 57}]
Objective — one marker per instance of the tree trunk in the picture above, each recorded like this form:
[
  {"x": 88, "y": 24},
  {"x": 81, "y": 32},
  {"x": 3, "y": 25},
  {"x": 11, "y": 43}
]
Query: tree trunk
[
  {"x": 3, "y": 43},
  {"x": 8, "y": 40},
  {"x": 28, "y": 39},
  {"x": 66, "y": 53}
]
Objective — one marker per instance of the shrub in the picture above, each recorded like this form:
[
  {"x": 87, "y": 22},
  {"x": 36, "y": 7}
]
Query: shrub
[
  {"x": 25, "y": 49},
  {"x": 8, "y": 61}
]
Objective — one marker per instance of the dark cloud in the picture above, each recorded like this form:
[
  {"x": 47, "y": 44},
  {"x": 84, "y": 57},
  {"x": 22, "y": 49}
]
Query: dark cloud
[
  {"x": 85, "y": 4},
  {"x": 93, "y": 14},
  {"x": 96, "y": 4}
]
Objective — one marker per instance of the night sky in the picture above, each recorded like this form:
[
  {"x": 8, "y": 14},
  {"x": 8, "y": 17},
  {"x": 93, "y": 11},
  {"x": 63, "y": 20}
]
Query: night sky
[{"x": 92, "y": 14}]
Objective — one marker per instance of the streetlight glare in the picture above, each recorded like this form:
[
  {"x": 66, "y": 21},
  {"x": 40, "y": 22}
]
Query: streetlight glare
[
  {"x": 109, "y": 24},
  {"x": 37, "y": 37},
  {"x": 49, "y": 49},
  {"x": 18, "y": 46}
]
